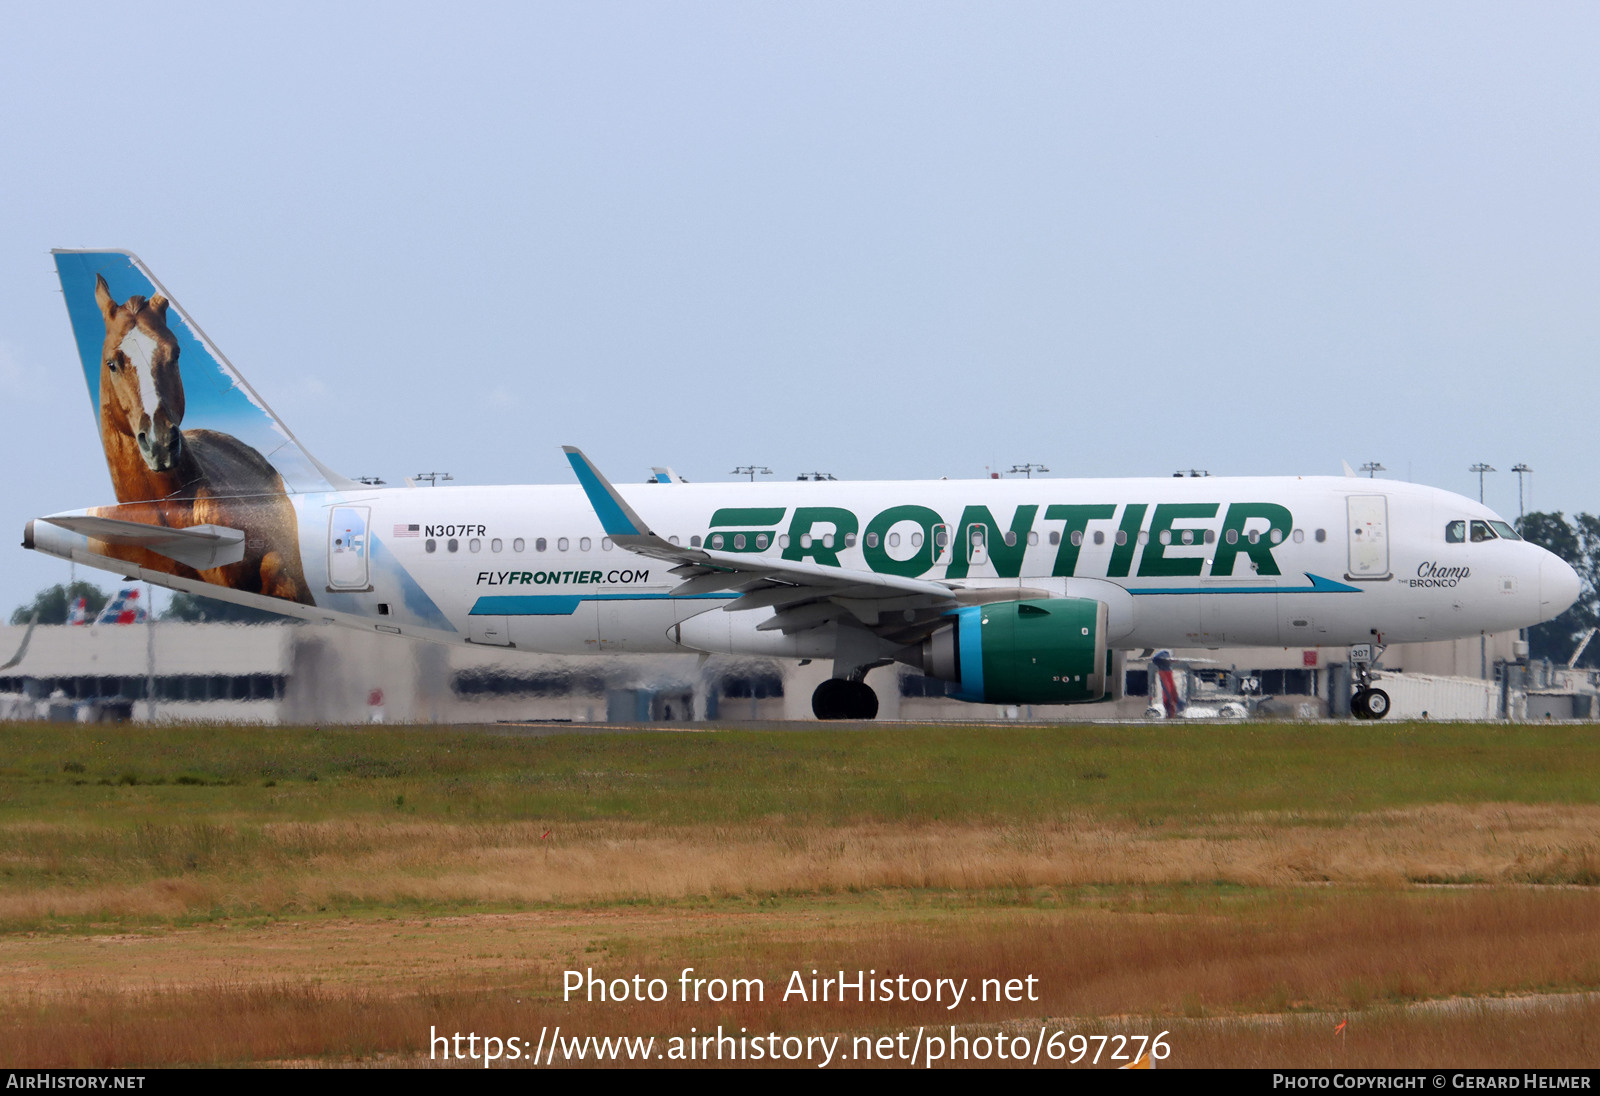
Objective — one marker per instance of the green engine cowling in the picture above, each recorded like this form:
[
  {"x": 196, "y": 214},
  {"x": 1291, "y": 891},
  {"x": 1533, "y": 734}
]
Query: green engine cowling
[{"x": 1046, "y": 651}]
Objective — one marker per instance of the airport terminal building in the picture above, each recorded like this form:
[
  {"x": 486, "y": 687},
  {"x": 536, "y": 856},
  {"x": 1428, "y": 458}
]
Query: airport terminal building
[{"x": 308, "y": 674}]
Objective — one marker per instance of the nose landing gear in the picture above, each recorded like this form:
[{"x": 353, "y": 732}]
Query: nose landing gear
[{"x": 1368, "y": 702}]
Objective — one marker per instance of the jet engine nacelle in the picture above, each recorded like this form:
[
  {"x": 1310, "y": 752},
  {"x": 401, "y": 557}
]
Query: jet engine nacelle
[{"x": 1047, "y": 651}]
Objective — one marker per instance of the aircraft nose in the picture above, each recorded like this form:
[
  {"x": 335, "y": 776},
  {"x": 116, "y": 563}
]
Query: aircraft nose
[{"x": 1558, "y": 586}]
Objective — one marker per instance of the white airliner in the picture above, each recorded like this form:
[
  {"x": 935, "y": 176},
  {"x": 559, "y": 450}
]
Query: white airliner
[{"x": 1013, "y": 591}]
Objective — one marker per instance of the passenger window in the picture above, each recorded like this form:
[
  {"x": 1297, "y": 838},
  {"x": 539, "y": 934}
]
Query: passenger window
[
  {"x": 474, "y": 545},
  {"x": 1122, "y": 536},
  {"x": 849, "y": 540},
  {"x": 1322, "y": 535},
  {"x": 716, "y": 540},
  {"x": 451, "y": 545},
  {"x": 894, "y": 540},
  {"x": 694, "y": 542},
  {"x": 872, "y": 540},
  {"x": 430, "y": 545},
  {"x": 1299, "y": 536},
  {"x": 583, "y": 544},
  {"x": 1166, "y": 536},
  {"x": 519, "y": 545},
  {"x": 605, "y": 544},
  {"x": 540, "y": 545},
  {"x": 1188, "y": 536},
  {"x": 1481, "y": 532},
  {"x": 496, "y": 544},
  {"x": 672, "y": 541},
  {"x": 1232, "y": 537},
  {"x": 561, "y": 544},
  {"x": 1055, "y": 538},
  {"x": 1010, "y": 538},
  {"x": 1077, "y": 538},
  {"x": 761, "y": 540},
  {"x": 1033, "y": 538},
  {"x": 1455, "y": 532},
  {"x": 1276, "y": 536},
  {"x": 916, "y": 540},
  {"x": 1100, "y": 536},
  {"x": 827, "y": 540},
  {"x": 738, "y": 540}
]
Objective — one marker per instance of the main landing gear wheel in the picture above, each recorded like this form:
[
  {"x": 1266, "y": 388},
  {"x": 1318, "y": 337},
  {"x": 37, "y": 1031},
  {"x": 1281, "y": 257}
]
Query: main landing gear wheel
[{"x": 837, "y": 698}]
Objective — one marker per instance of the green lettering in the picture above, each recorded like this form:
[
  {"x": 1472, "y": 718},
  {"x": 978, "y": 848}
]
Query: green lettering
[
  {"x": 1007, "y": 558},
  {"x": 1078, "y": 519},
  {"x": 842, "y": 523},
  {"x": 1128, "y": 540},
  {"x": 768, "y": 516},
  {"x": 1155, "y": 563},
  {"x": 1260, "y": 553},
  {"x": 875, "y": 546}
]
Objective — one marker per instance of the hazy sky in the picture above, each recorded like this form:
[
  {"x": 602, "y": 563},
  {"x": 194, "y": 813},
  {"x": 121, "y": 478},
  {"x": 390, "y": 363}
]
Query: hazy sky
[{"x": 882, "y": 240}]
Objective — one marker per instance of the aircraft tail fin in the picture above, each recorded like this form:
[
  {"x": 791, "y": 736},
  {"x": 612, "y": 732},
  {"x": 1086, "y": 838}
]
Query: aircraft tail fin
[
  {"x": 158, "y": 385},
  {"x": 1174, "y": 704}
]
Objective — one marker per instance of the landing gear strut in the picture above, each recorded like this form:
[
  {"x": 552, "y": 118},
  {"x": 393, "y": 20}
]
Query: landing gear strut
[
  {"x": 1367, "y": 703},
  {"x": 841, "y": 698}
]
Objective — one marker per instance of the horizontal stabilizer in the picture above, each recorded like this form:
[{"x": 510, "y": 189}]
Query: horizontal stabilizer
[{"x": 199, "y": 546}]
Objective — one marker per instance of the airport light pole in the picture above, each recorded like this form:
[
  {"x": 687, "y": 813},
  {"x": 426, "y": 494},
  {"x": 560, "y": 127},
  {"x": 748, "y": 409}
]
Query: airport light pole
[
  {"x": 433, "y": 478},
  {"x": 815, "y": 477},
  {"x": 1481, "y": 468},
  {"x": 1372, "y": 468},
  {"x": 1521, "y": 470},
  {"x": 751, "y": 470},
  {"x": 1028, "y": 469}
]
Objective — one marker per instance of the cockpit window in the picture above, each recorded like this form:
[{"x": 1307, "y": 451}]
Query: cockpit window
[
  {"x": 1482, "y": 532},
  {"x": 1455, "y": 532},
  {"x": 1505, "y": 531}
]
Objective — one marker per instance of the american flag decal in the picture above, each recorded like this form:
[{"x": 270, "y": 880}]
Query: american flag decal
[{"x": 407, "y": 530}]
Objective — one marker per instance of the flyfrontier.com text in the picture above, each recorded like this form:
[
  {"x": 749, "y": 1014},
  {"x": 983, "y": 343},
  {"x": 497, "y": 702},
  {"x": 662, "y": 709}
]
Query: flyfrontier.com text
[{"x": 858, "y": 986}]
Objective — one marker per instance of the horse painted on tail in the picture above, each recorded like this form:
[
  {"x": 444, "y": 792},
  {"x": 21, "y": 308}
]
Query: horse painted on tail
[{"x": 164, "y": 475}]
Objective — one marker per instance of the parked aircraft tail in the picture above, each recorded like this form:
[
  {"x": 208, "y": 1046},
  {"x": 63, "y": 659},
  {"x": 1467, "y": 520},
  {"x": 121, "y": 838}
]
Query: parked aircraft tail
[{"x": 1161, "y": 663}]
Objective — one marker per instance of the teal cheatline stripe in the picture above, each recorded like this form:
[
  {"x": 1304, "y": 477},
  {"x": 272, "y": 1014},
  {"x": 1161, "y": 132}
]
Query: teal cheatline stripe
[
  {"x": 566, "y": 604},
  {"x": 612, "y": 519},
  {"x": 1319, "y": 585}
]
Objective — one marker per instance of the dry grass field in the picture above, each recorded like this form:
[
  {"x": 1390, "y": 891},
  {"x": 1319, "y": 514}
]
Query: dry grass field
[{"x": 228, "y": 896}]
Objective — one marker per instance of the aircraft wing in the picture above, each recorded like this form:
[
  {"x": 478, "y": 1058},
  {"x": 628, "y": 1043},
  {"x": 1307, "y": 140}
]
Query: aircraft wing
[
  {"x": 199, "y": 546},
  {"x": 806, "y": 595}
]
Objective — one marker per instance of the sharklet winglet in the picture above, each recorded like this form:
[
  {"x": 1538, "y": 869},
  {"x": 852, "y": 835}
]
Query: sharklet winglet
[{"x": 616, "y": 516}]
